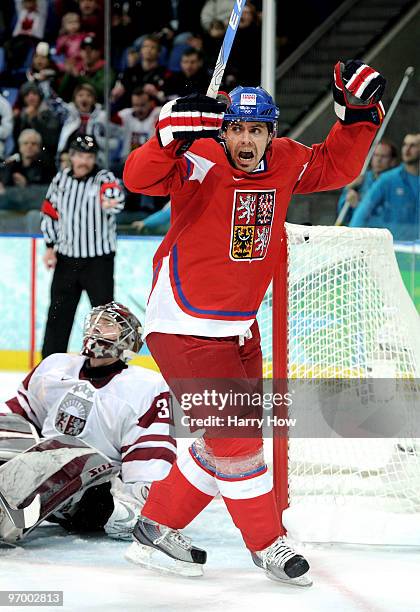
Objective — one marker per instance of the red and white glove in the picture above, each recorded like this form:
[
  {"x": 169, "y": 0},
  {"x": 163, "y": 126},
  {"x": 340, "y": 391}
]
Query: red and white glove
[
  {"x": 357, "y": 91},
  {"x": 189, "y": 118}
]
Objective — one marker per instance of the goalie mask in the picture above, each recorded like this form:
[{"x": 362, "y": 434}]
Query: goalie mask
[{"x": 111, "y": 331}]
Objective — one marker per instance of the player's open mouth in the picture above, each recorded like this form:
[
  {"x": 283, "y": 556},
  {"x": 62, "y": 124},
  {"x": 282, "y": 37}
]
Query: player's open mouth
[{"x": 246, "y": 155}]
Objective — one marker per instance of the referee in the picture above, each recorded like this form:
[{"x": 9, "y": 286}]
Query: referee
[{"x": 78, "y": 223}]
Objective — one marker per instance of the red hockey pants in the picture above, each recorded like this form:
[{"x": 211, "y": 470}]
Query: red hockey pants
[{"x": 176, "y": 500}]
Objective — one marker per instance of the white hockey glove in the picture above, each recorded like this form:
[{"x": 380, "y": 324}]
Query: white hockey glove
[
  {"x": 129, "y": 499},
  {"x": 189, "y": 118},
  {"x": 357, "y": 92}
]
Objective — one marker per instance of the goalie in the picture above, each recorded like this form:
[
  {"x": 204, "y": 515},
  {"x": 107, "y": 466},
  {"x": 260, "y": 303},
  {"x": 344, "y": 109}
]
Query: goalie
[{"x": 105, "y": 429}]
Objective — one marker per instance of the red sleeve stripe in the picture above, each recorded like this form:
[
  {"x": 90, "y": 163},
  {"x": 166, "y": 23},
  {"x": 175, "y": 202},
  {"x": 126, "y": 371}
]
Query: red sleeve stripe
[
  {"x": 24, "y": 398},
  {"x": 152, "y": 414},
  {"x": 48, "y": 209},
  {"x": 149, "y": 438},
  {"x": 146, "y": 454},
  {"x": 25, "y": 382},
  {"x": 16, "y": 407}
]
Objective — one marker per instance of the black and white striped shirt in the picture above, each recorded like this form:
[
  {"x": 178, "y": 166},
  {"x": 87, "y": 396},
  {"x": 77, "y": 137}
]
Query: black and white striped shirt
[{"x": 72, "y": 217}]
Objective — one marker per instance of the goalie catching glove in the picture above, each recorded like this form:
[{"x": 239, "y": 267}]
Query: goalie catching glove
[
  {"x": 189, "y": 118},
  {"x": 357, "y": 91}
]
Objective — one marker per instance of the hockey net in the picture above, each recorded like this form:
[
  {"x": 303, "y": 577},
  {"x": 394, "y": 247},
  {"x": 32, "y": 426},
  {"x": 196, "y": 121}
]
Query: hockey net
[{"x": 339, "y": 310}]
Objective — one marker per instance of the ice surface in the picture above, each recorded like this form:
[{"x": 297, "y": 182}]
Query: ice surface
[{"x": 94, "y": 575}]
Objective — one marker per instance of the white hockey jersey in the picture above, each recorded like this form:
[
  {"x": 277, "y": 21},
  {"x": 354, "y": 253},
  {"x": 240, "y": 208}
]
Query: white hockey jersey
[
  {"x": 125, "y": 415},
  {"x": 136, "y": 131}
]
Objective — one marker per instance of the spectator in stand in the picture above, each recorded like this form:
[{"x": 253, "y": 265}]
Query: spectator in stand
[
  {"x": 245, "y": 58},
  {"x": 384, "y": 158},
  {"x": 213, "y": 41},
  {"x": 215, "y": 9},
  {"x": 393, "y": 202},
  {"x": 6, "y": 124},
  {"x": 29, "y": 166},
  {"x": 138, "y": 122},
  {"x": 85, "y": 116},
  {"x": 183, "y": 42},
  {"x": 28, "y": 31},
  {"x": 193, "y": 78},
  {"x": 156, "y": 223},
  {"x": 42, "y": 71},
  {"x": 64, "y": 160},
  {"x": 34, "y": 114},
  {"x": 92, "y": 18},
  {"x": 122, "y": 34},
  {"x": 91, "y": 69},
  {"x": 147, "y": 70},
  {"x": 70, "y": 39}
]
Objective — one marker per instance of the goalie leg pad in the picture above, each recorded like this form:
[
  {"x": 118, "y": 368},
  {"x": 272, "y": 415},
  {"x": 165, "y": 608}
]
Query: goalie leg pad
[{"x": 59, "y": 469}]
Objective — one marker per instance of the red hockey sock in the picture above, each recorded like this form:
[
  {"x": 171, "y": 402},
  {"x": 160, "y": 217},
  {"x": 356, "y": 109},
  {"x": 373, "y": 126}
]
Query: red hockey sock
[
  {"x": 247, "y": 489},
  {"x": 175, "y": 501},
  {"x": 257, "y": 519}
]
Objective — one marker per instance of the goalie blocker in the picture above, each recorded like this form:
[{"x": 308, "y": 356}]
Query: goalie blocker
[{"x": 60, "y": 470}]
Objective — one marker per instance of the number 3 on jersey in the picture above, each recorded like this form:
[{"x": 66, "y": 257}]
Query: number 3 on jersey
[{"x": 164, "y": 407}]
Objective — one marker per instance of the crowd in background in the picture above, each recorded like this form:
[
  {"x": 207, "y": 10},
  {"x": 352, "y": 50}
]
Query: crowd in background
[
  {"x": 52, "y": 78},
  {"x": 53, "y": 83}
]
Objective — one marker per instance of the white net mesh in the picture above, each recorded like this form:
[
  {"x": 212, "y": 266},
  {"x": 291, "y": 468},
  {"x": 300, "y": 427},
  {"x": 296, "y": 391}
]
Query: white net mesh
[{"x": 349, "y": 316}]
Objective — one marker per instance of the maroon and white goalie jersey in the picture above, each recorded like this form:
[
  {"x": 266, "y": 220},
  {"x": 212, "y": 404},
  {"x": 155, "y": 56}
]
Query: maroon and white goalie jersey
[{"x": 125, "y": 415}]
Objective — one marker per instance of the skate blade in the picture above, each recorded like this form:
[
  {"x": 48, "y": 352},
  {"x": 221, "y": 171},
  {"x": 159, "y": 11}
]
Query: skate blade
[
  {"x": 300, "y": 581},
  {"x": 150, "y": 558}
]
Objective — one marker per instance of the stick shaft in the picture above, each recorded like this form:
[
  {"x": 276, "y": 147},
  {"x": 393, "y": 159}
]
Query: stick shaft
[
  {"x": 226, "y": 47},
  {"x": 407, "y": 76}
]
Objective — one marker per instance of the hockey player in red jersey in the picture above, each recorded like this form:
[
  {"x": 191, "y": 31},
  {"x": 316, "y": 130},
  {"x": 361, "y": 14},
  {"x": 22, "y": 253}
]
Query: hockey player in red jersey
[
  {"x": 229, "y": 202},
  {"x": 94, "y": 404}
]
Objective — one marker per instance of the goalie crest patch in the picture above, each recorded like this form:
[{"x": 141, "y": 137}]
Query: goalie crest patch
[
  {"x": 74, "y": 409},
  {"x": 252, "y": 218}
]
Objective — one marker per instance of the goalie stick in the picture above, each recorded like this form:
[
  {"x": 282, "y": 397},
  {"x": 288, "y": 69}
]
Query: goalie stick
[{"x": 22, "y": 518}]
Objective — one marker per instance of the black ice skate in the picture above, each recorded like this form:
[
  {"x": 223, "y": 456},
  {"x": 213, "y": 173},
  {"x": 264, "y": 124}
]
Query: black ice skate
[
  {"x": 282, "y": 563},
  {"x": 159, "y": 547}
]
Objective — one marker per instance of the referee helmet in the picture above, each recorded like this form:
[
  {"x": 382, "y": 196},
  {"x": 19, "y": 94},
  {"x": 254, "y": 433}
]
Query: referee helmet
[{"x": 84, "y": 144}]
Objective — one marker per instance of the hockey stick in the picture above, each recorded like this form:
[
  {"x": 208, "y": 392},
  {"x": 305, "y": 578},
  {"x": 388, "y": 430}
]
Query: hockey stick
[
  {"x": 222, "y": 58},
  {"x": 407, "y": 76},
  {"x": 225, "y": 49},
  {"x": 22, "y": 518}
]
